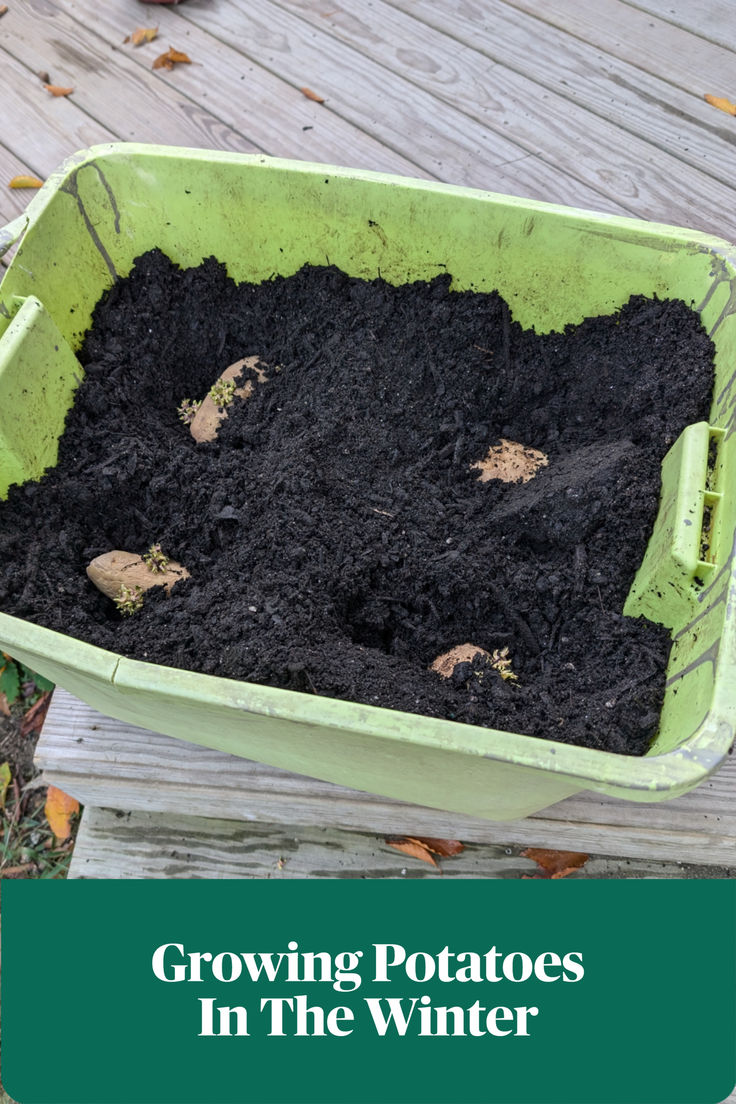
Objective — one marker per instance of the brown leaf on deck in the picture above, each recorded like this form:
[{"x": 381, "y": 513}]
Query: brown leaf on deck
[
  {"x": 59, "y": 810},
  {"x": 36, "y": 715},
  {"x": 413, "y": 848},
  {"x": 3, "y": 9},
  {"x": 721, "y": 103},
  {"x": 554, "y": 864},
  {"x": 141, "y": 35},
  {"x": 171, "y": 58},
  {"x": 57, "y": 90},
  {"x": 312, "y": 95},
  {"x": 444, "y": 847},
  {"x": 24, "y": 181}
]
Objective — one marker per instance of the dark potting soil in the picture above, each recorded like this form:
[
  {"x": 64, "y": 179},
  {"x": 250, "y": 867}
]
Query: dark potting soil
[{"x": 337, "y": 537}]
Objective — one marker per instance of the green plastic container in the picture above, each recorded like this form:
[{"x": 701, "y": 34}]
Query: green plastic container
[{"x": 555, "y": 266}]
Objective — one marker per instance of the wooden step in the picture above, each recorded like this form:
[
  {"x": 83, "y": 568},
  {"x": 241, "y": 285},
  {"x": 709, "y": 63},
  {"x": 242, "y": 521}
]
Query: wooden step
[
  {"x": 109, "y": 764},
  {"x": 116, "y": 844}
]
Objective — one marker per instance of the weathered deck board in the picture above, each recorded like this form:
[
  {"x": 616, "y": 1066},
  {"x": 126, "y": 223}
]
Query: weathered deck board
[
  {"x": 660, "y": 48},
  {"x": 672, "y": 120},
  {"x": 12, "y": 201},
  {"x": 494, "y": 96},
  {"x": 42, "y": 37},
  {"x": 380, "y": 102},
  {"x": 711, "y": 19},
  {"x": 107, "y": 763},
  {"x": 113, "y": 844},
  {"x": 37, "y": 128},
  {"x": 266, "y": 110},
  {"x": 623, "y": 167}
]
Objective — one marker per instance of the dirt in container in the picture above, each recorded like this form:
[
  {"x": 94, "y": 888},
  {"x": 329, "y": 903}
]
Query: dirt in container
[{"x": 342, "y": 531}]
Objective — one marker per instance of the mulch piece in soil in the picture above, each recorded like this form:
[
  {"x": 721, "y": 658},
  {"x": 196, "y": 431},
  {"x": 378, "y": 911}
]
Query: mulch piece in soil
[{"x": 337, "y": 535}]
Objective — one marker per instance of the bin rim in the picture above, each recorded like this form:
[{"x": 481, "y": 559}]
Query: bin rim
[
  {"x": 669, "y": 773},
  {"x": 649, "y": 234}
]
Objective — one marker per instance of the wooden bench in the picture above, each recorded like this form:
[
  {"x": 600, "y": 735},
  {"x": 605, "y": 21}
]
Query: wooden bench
[{"x": 160, "y": 807}]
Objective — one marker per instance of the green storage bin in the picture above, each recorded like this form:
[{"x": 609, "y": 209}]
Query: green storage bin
[{"x": 554, "y": 265}]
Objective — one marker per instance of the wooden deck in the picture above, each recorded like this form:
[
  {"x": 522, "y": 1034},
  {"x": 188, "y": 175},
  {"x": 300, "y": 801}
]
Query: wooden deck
[{"x": 596, "y": 105}]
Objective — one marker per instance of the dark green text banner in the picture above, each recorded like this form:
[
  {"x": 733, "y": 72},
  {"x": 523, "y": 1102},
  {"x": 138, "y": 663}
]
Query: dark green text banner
[{"x": 369, "y": 992}]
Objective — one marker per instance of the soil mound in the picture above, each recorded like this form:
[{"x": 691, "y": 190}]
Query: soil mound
[{"x": 338, "y": 537}]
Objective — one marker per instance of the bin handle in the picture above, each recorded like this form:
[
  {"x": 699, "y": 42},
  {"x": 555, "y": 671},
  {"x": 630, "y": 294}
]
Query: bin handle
[
  {"x": 681, "y": 555},
  {"x": 10, "y": 233}
]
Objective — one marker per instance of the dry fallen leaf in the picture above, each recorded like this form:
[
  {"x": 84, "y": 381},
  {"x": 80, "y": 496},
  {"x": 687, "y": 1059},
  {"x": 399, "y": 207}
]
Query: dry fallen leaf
[
  {"x": 721, "y": 103},
  {"x": 57, "y": 90},
  {"x": 142, "y": 35},
  {"x": 312, "y": 95},
  {"x": 443, "y": 847},
  {"x": 3, "y": 9},
  {"x": 4, "y": 782},
  {"x": 413, "y": 848},
  {"x": 35, "y": 716},
  {"x": 171, "y": 58},
  {"x": 555, "y": 864},
  {"x": 23, "y": 181},
  {"x": 59, "y": 809},
  {"x": 4, "y": 707}
]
